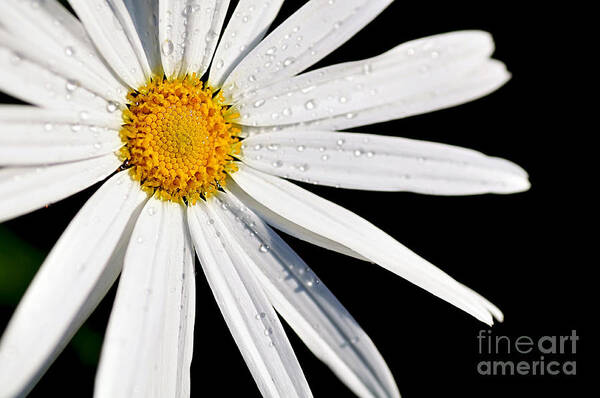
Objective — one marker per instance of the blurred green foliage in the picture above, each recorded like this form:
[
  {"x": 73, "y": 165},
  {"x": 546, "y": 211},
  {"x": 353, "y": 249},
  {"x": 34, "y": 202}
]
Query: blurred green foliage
[{"x": 19, "y": 262}]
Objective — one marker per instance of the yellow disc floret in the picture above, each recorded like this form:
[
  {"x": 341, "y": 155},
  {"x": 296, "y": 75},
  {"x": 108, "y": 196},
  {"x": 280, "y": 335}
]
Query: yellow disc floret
[{"x": 179, "y": 140}]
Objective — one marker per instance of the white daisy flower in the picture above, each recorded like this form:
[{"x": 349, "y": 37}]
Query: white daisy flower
[{"x": 194, "y": 165}]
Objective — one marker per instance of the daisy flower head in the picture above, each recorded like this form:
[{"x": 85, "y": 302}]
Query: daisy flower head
[{"x": 196, "y": 127}]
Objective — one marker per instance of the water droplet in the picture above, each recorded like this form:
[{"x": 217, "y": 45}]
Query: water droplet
[
  {"x": 325, "y": 157},
  {"x": 111, "y": 107},
  {"x": 264, "y": 248},
  {"x": 288, "y": 61},
  {"x": 259, "y": 103},
  {"x": 69, "y": 51},
  {"x": 310, "y": 104},
  {"x": 277, "y": 163},
  {"x": 167, "y": 47},
  {"x": 300, "y": 148},
  {"x": 71, "y": 85},
  {"x": 260, "y": 315},
  {"x": 16, "y": 59}
]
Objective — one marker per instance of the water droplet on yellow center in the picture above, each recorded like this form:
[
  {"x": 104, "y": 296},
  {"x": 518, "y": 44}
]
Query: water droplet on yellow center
[{"x": 179, "y": 140}]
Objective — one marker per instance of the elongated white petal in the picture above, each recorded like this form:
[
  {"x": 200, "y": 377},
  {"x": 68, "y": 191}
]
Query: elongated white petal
[
  {"x": 47, "y": 27},
  {"x": 246, "y": 309},
  {"x": 305, "y": 302},
  {"x": 70, "y": 283},
  {"x": 336, "y": 223},
  {"x": 42, "y": 143},
  {"x": 185, "y": 345},
  {"x": 322, "y": 25},
  {"x": 407, "y": 70},
  {"x": 188, "y": 33},
  {"x": 380, "y": 163},
  {"x": 113, "y": 32},
  {"x": 483, "y": 80},
  {"x": 291, "y": 228},
  {"x": 64, "y": 66},
  {"x": 145, "y": 18},
  {"x": 248, "y": 24},
  {"x": 26, "y": 79},
  {"x": 148, "y": 333},
  {"x": 24, "y": 189},
  {"x": 23, "y": 114}
]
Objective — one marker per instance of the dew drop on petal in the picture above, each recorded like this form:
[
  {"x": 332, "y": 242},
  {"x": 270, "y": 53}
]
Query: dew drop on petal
[
  {"x": 167, "y": 47},
  {"x": 310, "y": 104},
  {"x": 111, "y": 107}
]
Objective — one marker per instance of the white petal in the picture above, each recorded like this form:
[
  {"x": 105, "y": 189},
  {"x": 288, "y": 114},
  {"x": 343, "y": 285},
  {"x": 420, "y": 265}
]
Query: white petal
[
  {"x": 147, "y": 335},
  {"x": 112, "y": 30},
  {"x": 59, "y": 64},
  {"x": 22, "y": 114},
  {"x": 248, "y": 25},
  {"x": 48, "y": 27},
  {"x": 185, "y": 345},
  {"x": 480, "y": 82},
  {"x": 336, "y": 223},
  {"x": 70, "y": 283},
  {"x": 291, "y": 228},
  {"x": 306, "y": 304},
  {"x": 380, "y": 163},
  {"x": 145, "y": 18},
  {"x": 405, "y": 71},
  {"x": 39, "y": 143},
  {"x": 30, "y": 81},
  {"x": 321, "y": 25},
  {"x": 25, "y": 189},
  {"x": 246, "y": 309},
  {"x": 188, "y": 33}
]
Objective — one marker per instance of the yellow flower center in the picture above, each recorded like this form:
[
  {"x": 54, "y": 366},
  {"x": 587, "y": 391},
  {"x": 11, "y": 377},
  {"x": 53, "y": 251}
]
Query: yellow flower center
[{"x": 179, "y": 140}]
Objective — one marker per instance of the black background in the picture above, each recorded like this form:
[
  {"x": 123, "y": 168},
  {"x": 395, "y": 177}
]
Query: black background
[{"x": 522, "y": 251}]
